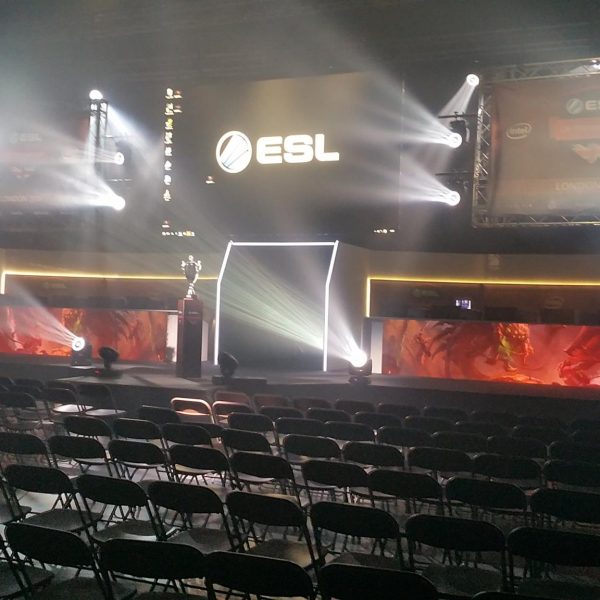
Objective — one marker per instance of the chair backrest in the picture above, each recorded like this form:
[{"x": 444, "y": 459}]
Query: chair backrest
[
  {"x": 356, "y": 432},
  {"x": 272, "y": 510},
  {"x": 250, "y": 422},
  {"x": 259, "y": 575},
  {"x": 376, "y": 455},
  {"x": 43, "y": 480},
  {"x": 405, "y": 485},
  {"x": 29, "y": 381},
  {"x": 306, "y": 402},
  {"x": 192, "y": 409},
  {"x": 398, "y": 410},
  {"x": 57, "y": 384},
  {"x": 486, "y": 494},
  {"x": 248, "y": 441},
  {"x": 12, "y": 442},
  {"x": 61, "y": 396},
  {"x": 340, "y": 475},
  {"x": 504, "y": 419},
  {"x": 546, "y": 435},
  {"x": 143, "y": 453},
  {"x": 580, "y": 474},
  {"x": 231, "y": 396},
  {"x": 158, "y": 414},
  {"x": 404, "y": 437},
  {"x": 285, "y": 425},
  {"x": 96, "y": 395},
  {"x": 151, "y": 560},
  {"x": 454, "y": 440},
  {"x": 270, "y": 400},
  {"x": 184, "y": 498},
  {"x": 566, "y": 505},
  {"x": 277, "y": 412},
  {"x": 353, "y": 519},
  {"x": 353, "y": 406},
  {"x": 451, "y": 533},
  {"x": 555, "y": 547},
  {"x": 136, "y": 429},
  {"x": 112, "y": 491},
  {"x": 584, "y": 424},
  {"x": 186, "y": 433},
  {"x": 87, "y": 426},
  {"x": 585, "y": 436},
  {"x": 511, "y": 446},
  {"x": 484, "y": 428},
  {"x": 222, "y": 408},
  {"x": 544, "y": 422},
  {"x": 439, "y": 460},
  {"x": 341, "y": 581},
  {"x": 72, "y": 447},
  {"x": 311, "y": 446},
  {"x": 49, "y": 546},
  {"x": 497, "y": 466},
  {"x": 17, "y": 400},
  {"x": 199, "y": 457},
  {"x": 376, "y": 420},
  {"x": 261, "y": 465},
  {"x": 571, "y": 451},
  {"x": 327, "y": 414},
  {"x": 428, "y": 424},
  {"x": 445, "y": 412}
]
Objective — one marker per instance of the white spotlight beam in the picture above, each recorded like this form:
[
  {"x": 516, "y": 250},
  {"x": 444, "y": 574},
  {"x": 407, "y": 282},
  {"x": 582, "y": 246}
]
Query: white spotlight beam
[
  {"x": 326, "y": 319},
  {"x": 230, "y": 245}
]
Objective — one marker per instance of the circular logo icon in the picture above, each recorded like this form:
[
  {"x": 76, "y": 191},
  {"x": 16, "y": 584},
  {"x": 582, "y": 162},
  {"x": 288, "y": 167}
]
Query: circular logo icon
[
  {"x": 574, "y": 106},
  {"x": 234, "y": 151}
]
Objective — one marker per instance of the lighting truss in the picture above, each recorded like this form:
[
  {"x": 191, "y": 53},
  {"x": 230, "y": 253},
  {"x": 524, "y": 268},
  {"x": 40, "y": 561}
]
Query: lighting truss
[
  {"x": 481, "y": 214},
  {"x": 334, "y": 248}
]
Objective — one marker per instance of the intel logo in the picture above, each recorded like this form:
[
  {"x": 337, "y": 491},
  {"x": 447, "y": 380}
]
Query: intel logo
[{"x": 518, "y": 131}]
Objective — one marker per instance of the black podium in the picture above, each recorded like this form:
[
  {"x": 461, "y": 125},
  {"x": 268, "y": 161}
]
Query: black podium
[{"x": 189, "y": 338}]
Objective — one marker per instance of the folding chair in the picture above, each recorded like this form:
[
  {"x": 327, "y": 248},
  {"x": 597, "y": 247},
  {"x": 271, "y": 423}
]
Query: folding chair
[
  {"x": 354, "y": 521},
  {"x": 25, "y": 447},
  {"x": 188, "y": 434},
  {"x": 470, "y": 443},
  {"x": 298, "y": 448},
  {"x": 278, "y": 412},
  {"x": 88, "y": 427},
  {"x": 461, "y": 543},
  {"x": 353, "y": 406},
  {"x": 235, "y": 440},
  {"x": 86, "y": 453},
  {"x": 373, "y": 455},
  {"x": 199, "y": 462},
  {"x": 261, "y": 523},
  {"x": 304, "y": 403},
  {"x": 343, "y": 431},
  {"x": 404, "y": 437},
  {"x": 287, "y": 425},
  {"x": 504, "y": 419},
  {"x": 397, "y": 410},
  {"x": 327, "y": 414},
  {"x": 429, "y": 424},
  {"x": 445, "y": 412},
  {"x": 521, "y": 471},
  {"x": 566, "y": 510},
  {"x": 484, "y": 428},
  {"x": 573, "y": 452},
  {"x": 270, "y": 400},
  {"x": 189, "y": 502},
  {"x": 130, "y": 457},
  {"x": 512, "y": 446},
  {"x": 577, "y": 476},
  {"x": 158, "y": 414},
  {"x": 377, "y": 420},
  {"x": 192, "y": 410},
  {"x": 335, "y": 480},
  {"x": 440, "y": 462},
  {"x": 221, "y": 410},
  {"x": 100, "y": 398}
]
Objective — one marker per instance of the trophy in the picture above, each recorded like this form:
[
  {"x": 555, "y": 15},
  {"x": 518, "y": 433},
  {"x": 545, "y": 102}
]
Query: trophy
[{"x": 191, "y": 268}]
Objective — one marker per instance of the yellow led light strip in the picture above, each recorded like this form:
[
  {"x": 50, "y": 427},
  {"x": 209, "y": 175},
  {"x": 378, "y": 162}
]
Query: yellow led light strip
[
  {"x": 76, "y": 275},
  {"x": 459, "y": 280}
]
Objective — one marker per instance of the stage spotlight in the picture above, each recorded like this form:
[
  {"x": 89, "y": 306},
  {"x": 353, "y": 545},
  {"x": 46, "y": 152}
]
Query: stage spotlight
[
  {"x": 227, "y": 364},
  {"x": 451, "y": 197},
  {"x": 118, "y": 203},
  {"x": 119, "y": 159},
  {"x": 109, "y": 356},
  {"x": 472, "y": 79},
  {"x": 96, "y": 95},
  {"x": 454, "y": 140},
  {"x": 459, "y": 126},
  {"x": 360, "y": 367},
  {"x": 81, "y": 353}
]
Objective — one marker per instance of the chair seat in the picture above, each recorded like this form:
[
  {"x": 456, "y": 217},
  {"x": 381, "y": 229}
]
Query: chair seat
[
  {"x": 296, "y": 552},
  {"x": 64, "y": 519},
  {"x": 204, "y": 539},
  {"x": 105, "y": 413},
  {"x": 559, "y": 589},
  {"x": 70, "y": 409},
  {"x": 130, "y": 530},
  {"x": 456, "y": 581},
  {"x": 82, "y": 587}
]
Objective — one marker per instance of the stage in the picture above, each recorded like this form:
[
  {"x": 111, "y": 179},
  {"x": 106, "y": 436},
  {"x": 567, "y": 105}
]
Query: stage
[{"x": 156, "y": 384}]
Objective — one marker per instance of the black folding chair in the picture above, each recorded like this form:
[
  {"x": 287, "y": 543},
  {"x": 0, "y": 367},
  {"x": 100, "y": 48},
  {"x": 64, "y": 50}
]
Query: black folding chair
[
  {"x": 298, "y": 448},
  {"x": 327, "y": 414},
  {"x": 398, "y": 410},
  {"x": 515, "y": 446},
  {"x": 235, "y": 440},
  {"x": 199, "y": 462},
  {"x": 373, "y": 455},
  {"x": 288, "y": 425},
  {"x": 158, "y": 414},
  {"x": 428, "y": 424},
  {"x": 377, "y": 420},
  {"x": 445, "y": 412},
  {"x": 86, "y": 453},
  {"x": 353, "y": 406},
  {"x": 346, "y": 482},
  {"x": 131, "y": 457},
  {"x": 188, "y": 434},
  {"x": 345, "y": 432},
  {"x": 566, "y": 510},
  {"x": 404, "y": 437}
]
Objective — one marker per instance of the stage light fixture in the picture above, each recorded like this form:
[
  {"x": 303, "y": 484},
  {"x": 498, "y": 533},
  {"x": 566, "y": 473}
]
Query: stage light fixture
[
  {"x": 119, "y": 159},
  {"x": 81, "y": 353},
  {"x": 109, "y": 356},
  {"x": 96, "y": 95},
  {"x": 472, "y": 79},
  {"x": 451, "y": 197},
  {"x": 454, "y": 140},
  {"x": 118, "y": 203},
  {"x": 227, "y": 364},
  {"x": 360, "y": 367},
  {"x": 459, "y": 126}
]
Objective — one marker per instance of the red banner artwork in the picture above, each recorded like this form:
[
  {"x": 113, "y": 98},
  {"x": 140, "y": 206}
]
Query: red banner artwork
[
  {"x": 137, "y": 335},
  {"x": 476, "y": 350}
]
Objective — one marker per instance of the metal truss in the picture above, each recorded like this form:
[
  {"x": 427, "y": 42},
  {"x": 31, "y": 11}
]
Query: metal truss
[{"x": 482, "y": 214}]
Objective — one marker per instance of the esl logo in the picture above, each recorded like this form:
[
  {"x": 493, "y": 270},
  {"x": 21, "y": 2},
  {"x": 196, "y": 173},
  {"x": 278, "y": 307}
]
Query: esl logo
[{"x": 234, "y": 150}]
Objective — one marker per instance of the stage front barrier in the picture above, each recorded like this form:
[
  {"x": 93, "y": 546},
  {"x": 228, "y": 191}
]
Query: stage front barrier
[{"x": 536, "y": 354}]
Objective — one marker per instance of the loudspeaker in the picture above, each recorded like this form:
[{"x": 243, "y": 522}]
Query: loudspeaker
[{"x": 189, "y": 338}]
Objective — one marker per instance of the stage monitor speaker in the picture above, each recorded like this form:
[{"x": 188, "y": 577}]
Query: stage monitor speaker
[{"x": 189, "y": 338}]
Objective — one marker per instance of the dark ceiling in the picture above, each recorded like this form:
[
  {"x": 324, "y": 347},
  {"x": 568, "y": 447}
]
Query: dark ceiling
[{"x": 67, "y": 45}]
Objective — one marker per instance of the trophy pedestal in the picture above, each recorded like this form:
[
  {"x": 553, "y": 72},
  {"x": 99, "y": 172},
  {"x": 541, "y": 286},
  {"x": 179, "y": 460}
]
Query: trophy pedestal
[{"x": 189, "y": 338}]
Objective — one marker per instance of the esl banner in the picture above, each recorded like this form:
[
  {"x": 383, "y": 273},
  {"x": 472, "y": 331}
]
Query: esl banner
[{"x": 546, "y": 147}]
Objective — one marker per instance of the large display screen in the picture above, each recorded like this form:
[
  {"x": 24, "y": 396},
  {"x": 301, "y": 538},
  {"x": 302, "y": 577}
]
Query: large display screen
[
  {"x": 289, "y": 157},
  {"x": 545, "y": 147}
]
